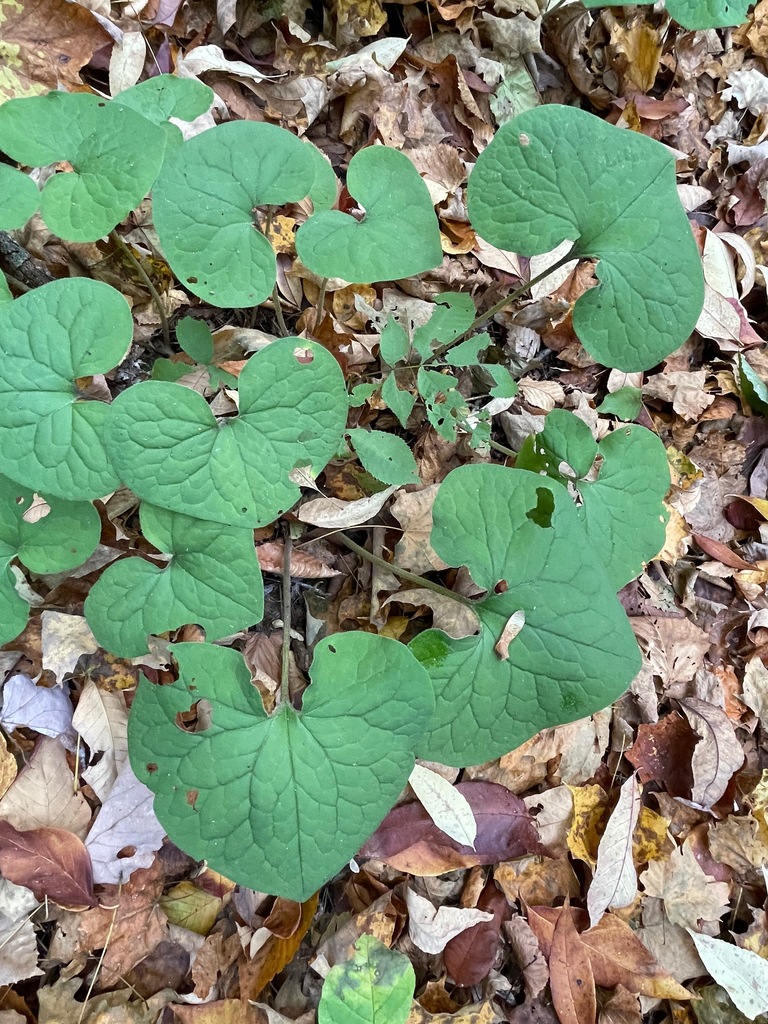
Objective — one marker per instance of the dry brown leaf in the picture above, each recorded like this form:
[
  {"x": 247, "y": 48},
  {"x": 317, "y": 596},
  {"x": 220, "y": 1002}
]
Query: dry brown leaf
[
  {"x": 413, "y": 510},
  {"x": 455, "y": 619},
  {"x": 304, "y": 565},
  {"x": 64, "y": 639},
  {"x": 614, "y": 883},
  {"x": 340, "y": 515},
  {"x": 718, "y": 754},
  {"x": 44, "y": 793},
  {"x": 570, "y": 974},
  {"x": 431, "y": 928},
  {"x": 7, "y": 768},
  {"x": 527, "y": 952},
  {"x": 688, "y": 893}
]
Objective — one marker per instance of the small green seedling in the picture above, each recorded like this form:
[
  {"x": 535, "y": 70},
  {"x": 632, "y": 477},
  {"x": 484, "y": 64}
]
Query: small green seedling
[{"x": 280, "y": 802}]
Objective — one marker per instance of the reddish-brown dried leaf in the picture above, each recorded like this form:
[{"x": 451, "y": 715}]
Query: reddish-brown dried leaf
[
  {"x": 51, "y": 862},
  {"x": 408, "y": 839},
  {"x": 272, "y": 957},
  {"x": 662, "y": 753},
  {"x": 617, "y": 956},
  {"x": 469, "y": 956},
  {"x": 721, "y": 552},
  {"x": 570, "y": 974},
  {"x": 223, "y": 1011},
  {"x": 303, "y": 564}
]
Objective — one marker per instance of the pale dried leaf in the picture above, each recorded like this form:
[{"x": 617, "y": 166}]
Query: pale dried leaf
[
  {"x": 44, "y": 794},
  {"x": 65, "y": 638},
  {"x": 755, "y": 687},
  {"x": 512, "y": 627},
  {"x": 527, "y": 952},
  {"x": 29, "y": 706},
  {"x": 211, "y": 58},
  {"x": 718, "y": 754},
  {"x": 431, "y": 928},
  {"x": 340, "y": 515},
  {"x": 101, "y": 718},
  {"x": 127, "y": 61},
  {"x": 615, "y": 880},
  {"x": 541, "y": 394},
  {"x": 688, "y": 893},
  {"x": 413, "y": 510},
  {"x": 18, "y": 941},
  {"x": 445, "y": 805},
  {"x": 453, "y": 617},
  {"x": 742, "y": 973}
]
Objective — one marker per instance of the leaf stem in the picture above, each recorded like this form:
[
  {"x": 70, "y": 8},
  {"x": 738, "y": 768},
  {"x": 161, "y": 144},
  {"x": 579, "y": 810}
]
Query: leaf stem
[
  {"x": 320, "y": 304},
  {"x": 502, "y": 448},
  {"x": 279, "y": 311},
  {"x": 285, "y": 695},
  {"x": 497, "y": 307},
  {"x": 402, "y": 573},
  {"x": 137, "y": 266}
]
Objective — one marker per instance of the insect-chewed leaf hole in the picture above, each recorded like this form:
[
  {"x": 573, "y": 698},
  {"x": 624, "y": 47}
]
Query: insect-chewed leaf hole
[
  {"x": 541, "y": 513},
  {"x": 197, "y": 719},
  {"x": 302, "y": 355}
]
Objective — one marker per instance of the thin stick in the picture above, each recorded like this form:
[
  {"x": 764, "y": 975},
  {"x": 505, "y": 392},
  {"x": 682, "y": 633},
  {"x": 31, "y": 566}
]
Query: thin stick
[
  {"x": 502, "y": 448},
  {"x": 279, "y": 312},
  {"x": 320, "y": 304},
  {"x": 126, "y": 250},
  {"x": 286, "y": 597},
  {"x": 489, "y": 314},
  {"x": 97, "y": 970},
  {"x": 402, "y": 573}
]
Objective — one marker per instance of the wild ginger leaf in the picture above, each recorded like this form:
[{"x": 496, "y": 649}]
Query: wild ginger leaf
[
  {"x": 115, "y": 155},
  {"x": 397, "y": 237},
  {"x": 204, "y": 202},
  {"x": 697, "y": 14},
  {"x": 166, "y": 96},
  {"x": 558, "y": 173},
  {"x": 520, "y": 536},
  {"x": 213, "y": 579},
  {"x": 172, "y": 452},
  {"x": 50, "y": 435},
  {"x": 64, "y": 537},
  {"x": 18, "y": 198},
  {"x": 621, "y": 508},
  {"x": 281, "y": 803}
]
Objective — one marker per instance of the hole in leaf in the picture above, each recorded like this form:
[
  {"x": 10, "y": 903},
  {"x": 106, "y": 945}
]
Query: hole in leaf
[
  {"x": 541, "y": 514},
  {"x": 127, "y": 851},
  {"x": 523, "y": 139},
  {"x": 331, "y": 648},
  {"x": 192, "y": 795},
  {"x": 191, "y": 280},
  {"x": 151, "y": 767},
  {"x": 197, "y": 719},
  {"x": 303, "y": 355},
  {"x": 501, "y": 587}
]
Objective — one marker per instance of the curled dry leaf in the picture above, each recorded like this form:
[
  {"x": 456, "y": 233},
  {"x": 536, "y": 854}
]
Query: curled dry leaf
[
  {"x": 408, "y": 839},
  {"x": 304, "y": 565},
  {"x": 340, "y": 515},
  {"x": 512, "y": 627},
  {"x": 430, "y": 928}
]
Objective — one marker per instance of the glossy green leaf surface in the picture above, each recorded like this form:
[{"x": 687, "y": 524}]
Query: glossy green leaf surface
[
  {"x": 61, "y": 540},
  {"x": 18, "y": 198},
  {"x": 558, "y": 173},
  {"x": 397, "y": 237},
  {"x": 170, "y": 449},
  {"x": 621, "y": 484},
  {"x": 115, "y": 154},
  {"x": 51, "y": 438},
  {"x": 281, "y": 803},
  {"x": 204, "y": 206},
  {"x": 385, "y": 456},
  {"x": 375, "y": 986},
  {"x": 575, "y": 652},
  {"x": 213, "y": 579},
  {"x": 698, "y": 14}
]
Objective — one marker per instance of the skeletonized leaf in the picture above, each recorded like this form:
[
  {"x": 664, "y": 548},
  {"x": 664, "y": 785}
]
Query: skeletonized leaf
[
  {"x": 615, "y": 880},
  {"x": 445, "y": 805}
]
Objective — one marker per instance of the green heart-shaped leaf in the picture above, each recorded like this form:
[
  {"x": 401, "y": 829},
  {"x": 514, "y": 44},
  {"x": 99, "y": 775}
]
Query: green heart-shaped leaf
[
  {"x": 399, "y": 235},
  {"x": 18, "y": 198},
  {"x": 204, "y": 204},
  {"x": 375, "y": 987},
  {"x": 520, "y": 536},
  {"x": 558, "y": 173},
  {"x": 385, "y": 456},
  {"x": 281, "y": 803},
  {"x": 213, "y": 580},
  {"x": 166, "y": 96},
  {"x": 66, "y": 535},
  {"x": 171, "y": 451},
  {"x": 115, "y": 155},
  {"x": 5, "y": 291},
  {"x": 620, "y": 495},
  {"x": 50, "y": 436},
  {"x": 696, "y": 14}
]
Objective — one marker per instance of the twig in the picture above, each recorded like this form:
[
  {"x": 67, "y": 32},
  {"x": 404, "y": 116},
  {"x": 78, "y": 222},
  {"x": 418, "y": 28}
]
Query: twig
[
  {"x": 285, "y": 695},
  {"x": 320, "y": 304},
  {"x": 137, "y": 266},
  {"x": 497, "y": 307},
  {"x": 279, "y": 311},
  {"x": 402, "y": 573},
  {"x": 16, "y": 261}
]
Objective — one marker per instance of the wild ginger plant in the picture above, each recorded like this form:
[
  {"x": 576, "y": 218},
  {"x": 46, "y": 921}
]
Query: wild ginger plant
[{"x": 281, "y": 801}]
